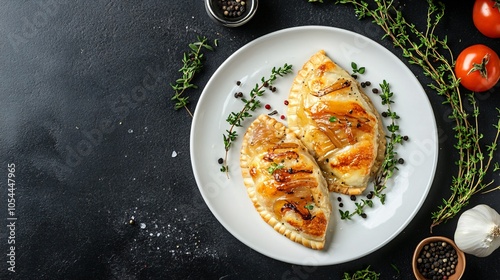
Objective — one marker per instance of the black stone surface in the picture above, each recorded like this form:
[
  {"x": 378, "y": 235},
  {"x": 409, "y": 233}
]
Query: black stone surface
[{"x": 87, "y": 120}]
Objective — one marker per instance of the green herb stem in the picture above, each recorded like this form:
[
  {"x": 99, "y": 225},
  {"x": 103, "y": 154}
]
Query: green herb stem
[
  {"x": 235, "y": 119},
  {"x": 192, "y": 63}
]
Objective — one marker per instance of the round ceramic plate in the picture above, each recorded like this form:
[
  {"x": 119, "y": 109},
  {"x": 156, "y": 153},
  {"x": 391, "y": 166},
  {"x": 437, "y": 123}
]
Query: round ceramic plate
[{"x": 226, "y": 196}]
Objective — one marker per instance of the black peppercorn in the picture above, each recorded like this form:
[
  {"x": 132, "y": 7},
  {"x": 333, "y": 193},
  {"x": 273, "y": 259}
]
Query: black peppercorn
[
  {"x": 232, "y": 8},
  {"x": 437, "y": 260},
  {"x": 220, "y": 160},
  {"x": 370, "y": 195}
]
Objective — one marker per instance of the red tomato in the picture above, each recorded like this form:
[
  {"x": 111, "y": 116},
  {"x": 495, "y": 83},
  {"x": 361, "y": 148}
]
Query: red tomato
[
  {"x": 478, "y": 68},
  {"x": 486, "y": 17}
]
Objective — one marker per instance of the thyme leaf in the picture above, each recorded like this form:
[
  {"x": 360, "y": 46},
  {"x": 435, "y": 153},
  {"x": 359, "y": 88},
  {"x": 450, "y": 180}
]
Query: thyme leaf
[
  {"x": 192, "y": 63},
  {"x": 274, "y": 166},
  {"x": 355, "y": 69},
  {"x": 309, "y": 207}
]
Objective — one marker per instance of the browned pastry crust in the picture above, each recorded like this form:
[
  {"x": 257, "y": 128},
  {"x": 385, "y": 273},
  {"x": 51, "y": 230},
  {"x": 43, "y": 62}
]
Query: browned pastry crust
[
  {"x": 285, "y": 183},
  {"x": 338, "y": 124}
]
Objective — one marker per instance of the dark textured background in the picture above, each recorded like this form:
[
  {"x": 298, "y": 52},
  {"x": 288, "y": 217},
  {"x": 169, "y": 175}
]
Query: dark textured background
[{"x": 69, "y": 69}]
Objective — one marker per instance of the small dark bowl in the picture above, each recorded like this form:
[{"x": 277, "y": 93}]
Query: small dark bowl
[
  {"x": 216, "y": 14},
  {"x": 459, "y": 268}
]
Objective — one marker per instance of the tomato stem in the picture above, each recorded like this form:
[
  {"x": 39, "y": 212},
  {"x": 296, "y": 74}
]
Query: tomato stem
[{"x": 481, "y": 67}]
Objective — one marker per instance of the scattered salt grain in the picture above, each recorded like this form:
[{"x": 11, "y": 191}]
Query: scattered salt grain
[
  {"x": 174, "y": 154},
  {"x": 143, "y": 225}
]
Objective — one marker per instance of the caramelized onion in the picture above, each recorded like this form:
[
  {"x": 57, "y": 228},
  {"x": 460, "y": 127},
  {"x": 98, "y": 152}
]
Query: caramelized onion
[
  {"x": 282, "y": 151},
  {"x": 290, "y": 186},
  {"x": 283, "y": 206},
  {"x": 338, "y": 85},
  {"x": 330, "y": 134}
]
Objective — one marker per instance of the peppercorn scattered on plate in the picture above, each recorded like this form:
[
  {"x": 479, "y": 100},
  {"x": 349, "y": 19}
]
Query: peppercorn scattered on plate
[{"x": 225, "y": 193}]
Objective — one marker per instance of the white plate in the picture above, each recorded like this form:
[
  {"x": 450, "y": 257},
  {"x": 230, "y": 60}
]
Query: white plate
[{"x": 227, "y": 197}]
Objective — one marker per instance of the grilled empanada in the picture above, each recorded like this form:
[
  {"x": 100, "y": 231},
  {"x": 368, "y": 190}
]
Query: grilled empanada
[
  {"x": 338, "y": 124},
  {"x": 284, "y": 182}
]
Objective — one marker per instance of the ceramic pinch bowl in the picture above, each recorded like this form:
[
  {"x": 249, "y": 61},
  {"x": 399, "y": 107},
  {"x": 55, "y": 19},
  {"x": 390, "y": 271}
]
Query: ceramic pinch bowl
[
  {"x": 442, "y": 260},
  {"x": 217, "y": 13}
]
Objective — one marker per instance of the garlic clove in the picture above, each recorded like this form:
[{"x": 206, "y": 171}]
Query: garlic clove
[{"x": 478, "y": 231}]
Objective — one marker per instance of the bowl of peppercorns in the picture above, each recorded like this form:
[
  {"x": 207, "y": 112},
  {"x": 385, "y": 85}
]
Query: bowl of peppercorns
[
  {"x": 231, "y": 13},
  {"x": 438, "y": 257}
]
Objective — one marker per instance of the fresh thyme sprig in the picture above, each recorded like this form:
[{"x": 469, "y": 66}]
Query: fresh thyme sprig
[
  {"x": 192, "y": 63},
  {"x": 359, "y": 209},
  {"x": 389, "y": 165},
  {"x": 363, "y": 274},
  {"x": 435, "y": 58},
  {"x": 235, "y": 119}
]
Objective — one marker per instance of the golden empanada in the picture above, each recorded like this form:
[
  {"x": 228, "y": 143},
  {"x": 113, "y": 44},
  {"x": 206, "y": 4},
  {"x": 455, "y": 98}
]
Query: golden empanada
[
  {"x": 285, "y": 183},
  {"x": 338, "y": 124}
]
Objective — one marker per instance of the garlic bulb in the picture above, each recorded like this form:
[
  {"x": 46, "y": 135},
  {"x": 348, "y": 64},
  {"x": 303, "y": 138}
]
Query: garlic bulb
[{"x": 478, "y": 231}]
